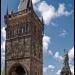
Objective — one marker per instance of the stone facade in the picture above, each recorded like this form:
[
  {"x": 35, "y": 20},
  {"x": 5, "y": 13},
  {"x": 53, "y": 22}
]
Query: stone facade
[{"x": 24, "y": 54}]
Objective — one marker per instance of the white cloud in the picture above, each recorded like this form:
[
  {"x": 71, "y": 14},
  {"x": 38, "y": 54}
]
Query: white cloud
[
  {"x": 49, "y": 11},
  {"x": 2, "y": 54},
  {"x": 49, "y": 67},
  {"x": 3, "y": 49},
  {"x": 45, "y": 69},
  {"x": 54, "y": 24},
  {"x": 3, "y": 45},
  {"x": 3, "y": 36},
  {"x": 50, "y": 52},
  {"x": 46, "y": 42},
  {"x": 71, "y": 53},
  {"x": 3, "y": 32},
  {"x": 58, "y": 72},
  {"x": 58, "y": 57},
  {"x": 63, "y": 33},
  {"x": 62, "y": 10}
]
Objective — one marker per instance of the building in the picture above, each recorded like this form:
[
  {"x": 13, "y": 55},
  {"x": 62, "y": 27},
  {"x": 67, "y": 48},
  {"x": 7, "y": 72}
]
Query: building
[
  {"x": 66, "y": 69},
  {"x": 23, "y": 48}
]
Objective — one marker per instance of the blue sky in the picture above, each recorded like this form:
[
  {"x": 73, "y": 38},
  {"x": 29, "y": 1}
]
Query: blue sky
[{"x": 58, "y": 18}]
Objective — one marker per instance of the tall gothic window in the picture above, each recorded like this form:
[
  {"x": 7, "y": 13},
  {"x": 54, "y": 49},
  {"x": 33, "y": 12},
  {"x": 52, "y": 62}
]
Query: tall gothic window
[
  {"x": 22, "y": 29},
  {"x": 27, "y": 27},
  {"x": 14, "y": 32}
]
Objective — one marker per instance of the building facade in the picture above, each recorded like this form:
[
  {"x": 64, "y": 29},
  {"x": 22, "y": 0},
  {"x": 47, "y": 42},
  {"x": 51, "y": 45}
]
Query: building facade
[
  {"x": 66, "y": 69},
  {"x": 23, "y": 48}
]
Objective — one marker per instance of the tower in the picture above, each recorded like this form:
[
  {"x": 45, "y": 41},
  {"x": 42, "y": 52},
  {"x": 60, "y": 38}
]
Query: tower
[
  {"x": 23, "y": 48},
  {"x": 66, "y": 69}
]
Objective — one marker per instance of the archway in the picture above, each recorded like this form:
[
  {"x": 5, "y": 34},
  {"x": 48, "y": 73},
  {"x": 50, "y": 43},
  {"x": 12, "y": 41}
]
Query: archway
[{"x": 17, "y": 69}]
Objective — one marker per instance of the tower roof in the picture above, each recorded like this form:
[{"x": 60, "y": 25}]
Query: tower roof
[{"x": 25, "y": 4}]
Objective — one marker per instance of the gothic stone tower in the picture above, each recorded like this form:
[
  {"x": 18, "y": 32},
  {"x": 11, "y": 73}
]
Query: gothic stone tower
[
  {"x": 66, "y": 69},
  {"x": 24, "y": 32}
]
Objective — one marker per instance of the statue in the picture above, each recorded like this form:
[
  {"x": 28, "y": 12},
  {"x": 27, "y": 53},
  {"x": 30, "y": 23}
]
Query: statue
[
  {"x": 66, "y": 58},
  {"x": 66, "y": 69}
]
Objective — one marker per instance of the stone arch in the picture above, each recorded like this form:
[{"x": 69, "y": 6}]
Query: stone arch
[{"x": 18, "y": 69}]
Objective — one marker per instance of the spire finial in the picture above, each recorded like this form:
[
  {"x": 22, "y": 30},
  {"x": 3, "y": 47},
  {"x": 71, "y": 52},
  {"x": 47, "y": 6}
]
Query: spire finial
[
  {"x": 30, "y": 5},
  {"x": 7, "y": 11},
  {"x": 7, "y": 8}
]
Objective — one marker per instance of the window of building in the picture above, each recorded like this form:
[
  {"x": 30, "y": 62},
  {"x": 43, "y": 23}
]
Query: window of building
[
  {"x": 14, "y": 32},
  {"x": 27, "y": 27}
]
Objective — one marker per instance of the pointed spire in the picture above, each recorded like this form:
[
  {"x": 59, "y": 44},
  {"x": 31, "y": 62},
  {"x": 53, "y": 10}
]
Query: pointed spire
[
  {"x": 30, "y": 5},
  {"x": 7, "y": 9},
  {"x": 42, "y": 20},
  {"x": 12, "y": 12},
  {"x": 25, "y": 4}
]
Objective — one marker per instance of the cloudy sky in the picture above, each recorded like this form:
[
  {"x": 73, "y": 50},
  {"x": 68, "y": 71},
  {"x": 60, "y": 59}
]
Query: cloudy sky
[{"x": 58, "y": 18}]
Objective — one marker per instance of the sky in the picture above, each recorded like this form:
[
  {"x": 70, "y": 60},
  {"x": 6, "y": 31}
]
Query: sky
[{"x": 58, "y": 16}]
